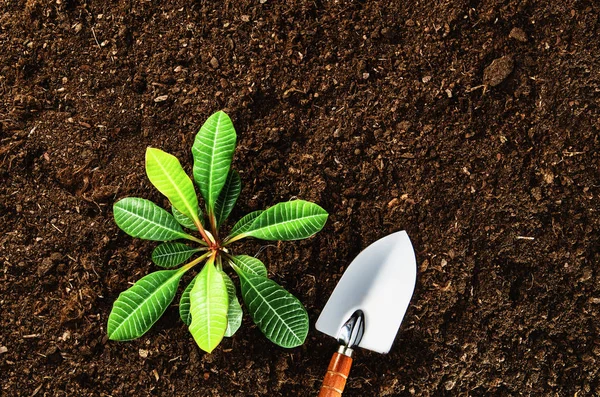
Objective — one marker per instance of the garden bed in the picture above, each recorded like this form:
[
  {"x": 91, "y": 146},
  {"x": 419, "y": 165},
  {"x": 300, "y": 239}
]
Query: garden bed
[{"x": 472, "y": 125}]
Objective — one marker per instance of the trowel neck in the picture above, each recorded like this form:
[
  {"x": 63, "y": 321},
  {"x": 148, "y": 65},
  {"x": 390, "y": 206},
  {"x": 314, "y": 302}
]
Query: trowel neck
[{"x": 351, "y": 333}]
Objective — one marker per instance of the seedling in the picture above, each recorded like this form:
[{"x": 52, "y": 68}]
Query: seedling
[{"x": 209, "y": 304}]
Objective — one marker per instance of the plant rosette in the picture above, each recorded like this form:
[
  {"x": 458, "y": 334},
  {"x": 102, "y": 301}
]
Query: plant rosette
[{"x": 209, "y": 304}]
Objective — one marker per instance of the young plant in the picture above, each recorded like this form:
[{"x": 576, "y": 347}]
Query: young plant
[{"x": 209, "y": 305}]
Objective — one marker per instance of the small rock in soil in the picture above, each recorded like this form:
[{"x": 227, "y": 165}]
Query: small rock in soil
[
  {"x": 56, "y": 257},
  {"x": 536, "y": 192},
  {"x": 104, "y": 193},
  {"x": 45, "y": 267},
  {"x": 498, "y": 71},
  {"x": 214, "y": 62},
  {"x": 53, "y": 355},
  {"x": 404, "y": 125},
  {"x": 393, "y": 203},
  {"x": 449, "y": 385},
  {"x": 518, "y": 34}
]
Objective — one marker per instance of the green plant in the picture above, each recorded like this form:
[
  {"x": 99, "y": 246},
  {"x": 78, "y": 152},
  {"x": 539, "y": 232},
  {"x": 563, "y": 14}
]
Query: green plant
[{"x": 209, "y": 305}]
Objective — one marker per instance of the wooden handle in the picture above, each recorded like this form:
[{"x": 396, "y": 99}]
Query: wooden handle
[{"x": 335, "y": 378}]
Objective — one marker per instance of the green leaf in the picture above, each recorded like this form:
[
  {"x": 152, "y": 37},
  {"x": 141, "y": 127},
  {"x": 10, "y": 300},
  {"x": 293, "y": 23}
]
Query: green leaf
[
  {"x": 184, "y": 220},
  {"x": 172, "y": 254},
  {"x": 244, "y": 224},
  {"x": 234, "y": 314},
  {"x": 142, "y": 218},
  {"x": 250, "y": 265},
  {"x": 228, "y": 197},
  {"x": 213, "y": 151},
  {"x": 292, "y": 220},
  {"x": 184, "y": 303},
  {"x": 209, "y": 306},
  {"x": 276, "y": 312},
  {"x": 139, "y": 307},
  {"x": 165, "y": 172}
]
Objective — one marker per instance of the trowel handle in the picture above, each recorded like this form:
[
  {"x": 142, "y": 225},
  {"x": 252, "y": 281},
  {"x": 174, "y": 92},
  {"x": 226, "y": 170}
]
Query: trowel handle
[{"x": 335, "y": 378}]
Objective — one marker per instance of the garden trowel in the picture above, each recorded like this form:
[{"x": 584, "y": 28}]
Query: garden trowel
[{"x": 368, "y": 304}]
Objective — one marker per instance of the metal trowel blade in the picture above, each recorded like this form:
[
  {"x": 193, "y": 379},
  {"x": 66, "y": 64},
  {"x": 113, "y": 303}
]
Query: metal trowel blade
[{"x": 380, "y": 281}]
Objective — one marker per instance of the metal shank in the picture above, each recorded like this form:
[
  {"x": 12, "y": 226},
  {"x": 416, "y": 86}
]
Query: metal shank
[{"x": 351, "y": 333}]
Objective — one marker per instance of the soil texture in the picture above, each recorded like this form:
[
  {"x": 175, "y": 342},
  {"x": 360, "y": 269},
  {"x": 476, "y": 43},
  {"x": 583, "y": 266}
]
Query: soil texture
[{"x": 473, "y": 125}]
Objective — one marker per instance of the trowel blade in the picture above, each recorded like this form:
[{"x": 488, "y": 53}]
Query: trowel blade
[{"x": 380, "y": 281}]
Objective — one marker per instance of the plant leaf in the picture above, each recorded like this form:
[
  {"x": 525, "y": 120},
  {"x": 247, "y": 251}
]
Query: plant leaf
[
  {"x": 244, "y": 224},
  {"x": 184, "y": 303},
  {"x": 165, "y": 172},
  {"x": 208, "y": 307},
  {"x": 213, "y": 151},
  {"x": 234, "y": 313},
  {"x": 291, "y": 220},
  {"x": 228, "y": 196},
  {"x": 249, "y": 264},
  {"x": 276, "y": 312},
  {"x": 139, "y": 307},
  {"x": 172, "y": 254},
  {"x": 184, "y": 220},
  {"x": 143, "y": 219}
]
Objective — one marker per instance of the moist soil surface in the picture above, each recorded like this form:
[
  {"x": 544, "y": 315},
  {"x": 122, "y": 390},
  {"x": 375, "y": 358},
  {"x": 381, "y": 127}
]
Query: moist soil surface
[{"x": 473, "y": 125}]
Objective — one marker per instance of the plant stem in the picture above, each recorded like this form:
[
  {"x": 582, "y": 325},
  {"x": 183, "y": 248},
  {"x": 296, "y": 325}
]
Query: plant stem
[
  {"x": 229, "y": 258},
  {"x": 195, "y": 239},
  {"x": 214, "y": 254},
  {"x": 226, "y": 255},
  {"x": 213, "y": 225},
  {"x": 208, "y": 240},
  {"x": 193, "y": 263},
  {"x": 231, "y": 262},
  {"x": 228, "y": 241}
]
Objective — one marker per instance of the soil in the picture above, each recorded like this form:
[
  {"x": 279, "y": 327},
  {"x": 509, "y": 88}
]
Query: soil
[{"x": 473, "y": 125}]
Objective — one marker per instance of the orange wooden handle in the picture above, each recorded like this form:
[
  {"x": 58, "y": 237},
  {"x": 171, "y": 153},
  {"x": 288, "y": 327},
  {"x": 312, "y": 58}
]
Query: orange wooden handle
[{"x": 337, "y": 373}]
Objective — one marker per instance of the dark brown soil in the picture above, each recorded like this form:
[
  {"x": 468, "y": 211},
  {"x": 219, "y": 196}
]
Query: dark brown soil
[{"x": 435, "y": 117}]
